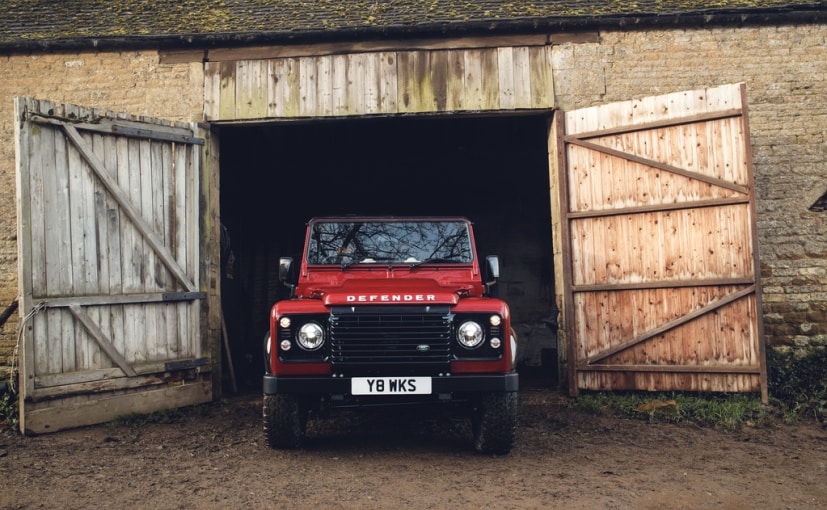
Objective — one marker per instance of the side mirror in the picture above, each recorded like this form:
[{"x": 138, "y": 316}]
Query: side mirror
[
  {"x": 286, "y": 273},
  {"x": 492, "y": 269}
]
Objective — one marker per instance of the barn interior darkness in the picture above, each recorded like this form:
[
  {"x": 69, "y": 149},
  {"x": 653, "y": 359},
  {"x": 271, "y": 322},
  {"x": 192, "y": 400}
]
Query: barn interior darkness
[{"x": 276, "y": 176}]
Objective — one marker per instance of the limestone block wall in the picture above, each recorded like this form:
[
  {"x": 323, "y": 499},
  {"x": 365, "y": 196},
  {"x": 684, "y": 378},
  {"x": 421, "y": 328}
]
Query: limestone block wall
[
  {"x": 785, "y": 71},
  {"x": 132, "y": 82},
  {"x": 784, "y": 68}
]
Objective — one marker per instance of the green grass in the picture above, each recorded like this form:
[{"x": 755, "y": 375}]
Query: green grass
[
  {"x": 9, "y": 418},
  {"x": 729, "y": 411},
  {"x": 796, "y": 380}
]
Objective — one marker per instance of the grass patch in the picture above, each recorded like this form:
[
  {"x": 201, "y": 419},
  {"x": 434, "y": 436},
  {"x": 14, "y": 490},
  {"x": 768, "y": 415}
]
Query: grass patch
[
  {"x": 796, "y": 380},
  {"x": 728, "y": 411}
]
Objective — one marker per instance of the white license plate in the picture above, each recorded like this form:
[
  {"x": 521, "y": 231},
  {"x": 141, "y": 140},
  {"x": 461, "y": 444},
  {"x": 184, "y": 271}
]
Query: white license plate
[{"x": 390, "y": 386}]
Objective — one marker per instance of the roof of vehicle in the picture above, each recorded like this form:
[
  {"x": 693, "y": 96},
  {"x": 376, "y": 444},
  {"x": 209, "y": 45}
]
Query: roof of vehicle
[
  {"x": 351, "y": 219},
  {"x": 37, "y": 25}
]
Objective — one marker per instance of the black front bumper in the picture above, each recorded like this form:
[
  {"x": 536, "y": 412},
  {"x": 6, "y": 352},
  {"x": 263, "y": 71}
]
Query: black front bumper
[{"x": 483, "y": 383}]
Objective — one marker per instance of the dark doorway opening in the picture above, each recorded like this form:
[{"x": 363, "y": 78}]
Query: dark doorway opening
[{"x": 276, "y": 176}]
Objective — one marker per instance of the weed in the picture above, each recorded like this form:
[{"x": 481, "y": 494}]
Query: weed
[
  {"x": 797, "y": 381},
  {"x": 9, "y": 417}
]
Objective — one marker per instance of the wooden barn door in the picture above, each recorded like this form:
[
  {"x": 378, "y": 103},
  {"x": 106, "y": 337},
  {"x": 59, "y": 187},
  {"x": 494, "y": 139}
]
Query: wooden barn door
[
  {"x": 108, "y": 236},
  {"x": 661, "y": 285}
]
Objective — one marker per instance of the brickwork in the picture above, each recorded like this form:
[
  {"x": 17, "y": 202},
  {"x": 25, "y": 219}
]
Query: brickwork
[
  {"x": 785, "y": 71},
  {"x": 132, "y": 82}
]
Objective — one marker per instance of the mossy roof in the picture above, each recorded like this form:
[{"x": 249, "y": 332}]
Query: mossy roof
[{"x": 45, "y": 24}]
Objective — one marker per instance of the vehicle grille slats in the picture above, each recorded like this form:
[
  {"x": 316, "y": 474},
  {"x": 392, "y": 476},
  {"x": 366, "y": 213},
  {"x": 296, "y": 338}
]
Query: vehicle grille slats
[{"x": 370, "y": 337}]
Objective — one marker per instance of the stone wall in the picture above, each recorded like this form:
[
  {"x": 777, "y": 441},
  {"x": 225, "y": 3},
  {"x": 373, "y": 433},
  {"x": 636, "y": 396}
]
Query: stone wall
[
  {"x": 131, "y": 82},
  {"x": 785, "y": 71}
]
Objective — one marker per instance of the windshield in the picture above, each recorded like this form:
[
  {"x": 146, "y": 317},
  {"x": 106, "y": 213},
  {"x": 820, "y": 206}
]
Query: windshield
[{"x": 389, "y": 242}]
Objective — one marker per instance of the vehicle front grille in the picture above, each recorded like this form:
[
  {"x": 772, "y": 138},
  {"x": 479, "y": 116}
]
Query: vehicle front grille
[{"x": 397, "y": 340}]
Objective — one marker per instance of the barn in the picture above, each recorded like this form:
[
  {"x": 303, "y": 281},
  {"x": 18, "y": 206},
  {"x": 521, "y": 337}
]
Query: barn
[{"x": 650, "y": 175}]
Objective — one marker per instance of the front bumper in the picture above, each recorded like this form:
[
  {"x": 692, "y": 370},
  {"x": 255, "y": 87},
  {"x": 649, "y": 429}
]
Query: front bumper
[{"x": 483, "y": 383}]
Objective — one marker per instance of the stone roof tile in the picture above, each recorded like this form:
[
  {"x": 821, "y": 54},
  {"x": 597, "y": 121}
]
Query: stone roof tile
[{"x": 42, "y": 23}]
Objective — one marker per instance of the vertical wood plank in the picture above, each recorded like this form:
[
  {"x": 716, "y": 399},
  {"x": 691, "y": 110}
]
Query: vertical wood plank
[
  {"x": 505, "y": 66},
  {"x": 356, "y": 82},
  {"x": 472, "y": 78},
  {"x": 324, "y": 86},
  {"x": 227, "y": 91},
  {"x": 416, "y": 91},
  {"x": 308, "y": 84},
  {"x": 251, "y": 90},
  {"x": 389, "y": 86},
  {"x": 340, "y": 84},
  {"x": 455, "y": 90},
  {"x": 373, "y": 83},
  {"x": 439, "y": 78},
  {"x": 522, "y": 77},
  {"x": 490, "y": 75},
  {"x": 212, "y": 91},
  {"x": 542, "y": 86}
]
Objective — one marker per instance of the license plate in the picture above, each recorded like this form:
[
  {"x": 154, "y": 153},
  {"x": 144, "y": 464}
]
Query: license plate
[{"x": 390, "y": 386}]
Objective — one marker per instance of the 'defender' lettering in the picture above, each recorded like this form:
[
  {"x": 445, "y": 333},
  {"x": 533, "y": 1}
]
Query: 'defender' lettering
[{"x": 371, "y": 298}]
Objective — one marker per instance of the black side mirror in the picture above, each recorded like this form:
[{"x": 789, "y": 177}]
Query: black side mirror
[
  {"x": 492, "y": 270},
  {"x": 286, "y": 273}
]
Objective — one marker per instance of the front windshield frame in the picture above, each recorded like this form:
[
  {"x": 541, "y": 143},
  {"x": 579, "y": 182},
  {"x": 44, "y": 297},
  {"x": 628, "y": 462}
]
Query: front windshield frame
[{"x": 413, "y": 242}]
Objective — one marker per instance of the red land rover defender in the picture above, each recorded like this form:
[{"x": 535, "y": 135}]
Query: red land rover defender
[{"x": 389, "y": 311}]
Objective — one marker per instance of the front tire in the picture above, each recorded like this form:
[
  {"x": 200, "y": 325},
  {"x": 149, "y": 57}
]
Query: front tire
[
  {"x": 285, "y": 421},
  {"x": 495, "y": 423}
]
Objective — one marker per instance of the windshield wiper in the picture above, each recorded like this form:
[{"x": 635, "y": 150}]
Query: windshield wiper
[{"x": 433, "y": 260}]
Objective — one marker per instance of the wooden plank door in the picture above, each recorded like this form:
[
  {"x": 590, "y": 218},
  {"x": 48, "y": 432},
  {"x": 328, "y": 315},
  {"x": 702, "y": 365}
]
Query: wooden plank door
[
  {"x": 660, "y": 264},
  {"x": 108, "y": 236}
]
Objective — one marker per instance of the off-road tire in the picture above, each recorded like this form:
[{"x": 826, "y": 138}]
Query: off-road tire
[
  {"x": 495, "y": 422},
  {"x": 285, "y": 421}
]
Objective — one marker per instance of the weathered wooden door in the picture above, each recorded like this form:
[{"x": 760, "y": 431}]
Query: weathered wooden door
[
  {"x": 108, "y": 236},
  {"x": 660, "y": 270}
]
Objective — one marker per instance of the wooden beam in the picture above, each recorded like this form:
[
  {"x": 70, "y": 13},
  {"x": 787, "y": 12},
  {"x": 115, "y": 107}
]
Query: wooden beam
[
  {"x": 675, "y": 206},
  {"x": 127, "y": 128},
  {"x": 664, "y": 284},
  {"x": 122, "y": 299},
  {"x": 181, "y": 56},
  {"x": 102, "y": 340},
  {"x": 43, "y": 382},
  {"x": 573, "y": 140},
  {"x": 124, "y": 202},
  {"x": 78, "y": 411},
  {"x": 692, "y": 369},
  {"x": 316, "y": 50},
  {"x": 663, "y": 328}
]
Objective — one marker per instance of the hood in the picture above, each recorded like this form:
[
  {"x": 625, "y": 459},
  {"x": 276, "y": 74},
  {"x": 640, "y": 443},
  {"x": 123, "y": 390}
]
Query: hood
[{"x": 383, "y": 292}]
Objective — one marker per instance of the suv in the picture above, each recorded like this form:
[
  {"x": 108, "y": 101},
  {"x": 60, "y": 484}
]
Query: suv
[{"x": 386, "y": 311}]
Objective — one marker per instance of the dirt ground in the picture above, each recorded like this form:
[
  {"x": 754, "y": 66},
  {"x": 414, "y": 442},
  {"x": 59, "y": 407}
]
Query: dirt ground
[{"x": 563, "y": 459}]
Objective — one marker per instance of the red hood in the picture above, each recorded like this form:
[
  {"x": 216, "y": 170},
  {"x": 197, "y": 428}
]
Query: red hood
[{"x": 383, "y": 291}]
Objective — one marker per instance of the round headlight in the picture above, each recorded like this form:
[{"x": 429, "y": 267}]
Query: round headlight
[
  {"x": 470, "y": 335},
  {"x": 311, "y": 336}
]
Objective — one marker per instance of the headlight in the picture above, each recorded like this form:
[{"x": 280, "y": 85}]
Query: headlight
[
  {"x": 470, "y": 335},
  {"x": 311, "y": 336}
]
